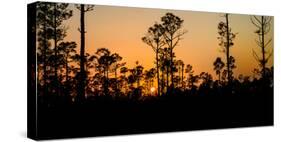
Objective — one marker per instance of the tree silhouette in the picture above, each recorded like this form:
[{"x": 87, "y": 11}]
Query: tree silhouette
[
  {"x": 149, "y": 76},
  {"x": 67, "y": 50},
  {"x": 135, "y": 77},
  {"x": 191, "y": 79},
  {"x": 224, "y": 75},
  {"x": 154, "y": 38},
  {"x": 163, "y": 68},
  {"x": 94, "y": 87},
  {"x": 164, "y": 64},
  {"x": 60, "y": 13},
  {"x": 90, "y": 63},
  {"x": 82, "y": 81},
  {"x": 180, "y": 65},
  {"x": 124, "y": 70},
  {"x": 189, "y": 69},
  {"x": 218, "y": 66},
  {"x": 50, "y": 17},
  {"x": 263, "y": 27},
  {"x": 43, "y": 18},
  {"x": 172, "y": 25},
  {"x": 231, "y": 66},
  {"x": 207, "y": 80},
  {"x": 226, "y": 41},
  {"x": 124, "y": 79},
  {"x": 114, "y": 68},
  {"x": 104, "y": 62},
  {"x": 139, "y": 73}
]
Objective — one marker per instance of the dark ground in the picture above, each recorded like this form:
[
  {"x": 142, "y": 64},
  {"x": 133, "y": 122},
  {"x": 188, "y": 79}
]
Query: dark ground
[{"x": 165, "y": 114}]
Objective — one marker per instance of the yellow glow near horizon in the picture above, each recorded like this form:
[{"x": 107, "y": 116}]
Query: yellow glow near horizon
[{"x": 152, "y": 89}]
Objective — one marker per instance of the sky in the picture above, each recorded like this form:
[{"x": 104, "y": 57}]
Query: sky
[{"x": 120, "y": 29}]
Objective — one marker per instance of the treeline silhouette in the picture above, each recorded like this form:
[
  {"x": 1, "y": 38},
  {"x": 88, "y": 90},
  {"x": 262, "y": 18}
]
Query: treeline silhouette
[{"x": 83, "y": 94}]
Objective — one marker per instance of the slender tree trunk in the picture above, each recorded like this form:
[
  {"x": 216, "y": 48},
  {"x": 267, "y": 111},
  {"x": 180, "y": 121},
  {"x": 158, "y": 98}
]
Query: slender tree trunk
[
  {"x": 172, "y": 63},
  {"x": 167, "y": 77},
  {"x": 182, "y": 69},
  {"x": 138, "y": 83},
  {"x": 179, "y": 72},
  {"x": 157, "y": 68},
  {"x": 81, "y": 88},
  {"x": 263, "y": 48},
  {"x": 66, "y": 70},
  {"x": 104, "y": 83},
  {"x": 67, "y": 90},
  {"x": 55, "y": 48},
  {"x": 117, "y": 84},
  {"x": 151, "y": 83},
  {"x": 115, "y": 73},
  {"x": 107, "y": 81},
  {"x": 162, "y": 83},
  {"x": 227, "y": 50},
  {"x": 107, "y": 74},
  {"x": 219, "y": 77}
]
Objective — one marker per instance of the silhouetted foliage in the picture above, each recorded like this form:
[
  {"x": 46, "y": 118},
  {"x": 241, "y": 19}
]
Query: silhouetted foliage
[
  {"x": 43, "y": 38},
  {"x": 155, "y": 39},
  {"x": 53, "y": 54},
  {"x": 192, "y": 80},
  {"x": 180, "y": 65},
  {"x": 100, "y": 87},
  {"x": 226, "y": 41},
  {"x": 218, "y": 66},
  {"x": 149, "y": 76},
  {"x": 263, "y": 27},
  {"x": 104, "y": 62},
  {"x": 82, "y": 73},
  {"x": 60, "y": 12},
  {"x": 172, "y": 25}
]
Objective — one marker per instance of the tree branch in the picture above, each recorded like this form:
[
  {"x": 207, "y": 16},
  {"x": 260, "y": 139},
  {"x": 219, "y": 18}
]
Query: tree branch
[
  {"x": 255, "y": 55},
  {"x": 258, "y": 26},
  {"x": 267, "y": 43}
]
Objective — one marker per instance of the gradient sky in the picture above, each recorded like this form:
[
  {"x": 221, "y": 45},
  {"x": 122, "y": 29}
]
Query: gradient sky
[{"x": 120, "y": 29}]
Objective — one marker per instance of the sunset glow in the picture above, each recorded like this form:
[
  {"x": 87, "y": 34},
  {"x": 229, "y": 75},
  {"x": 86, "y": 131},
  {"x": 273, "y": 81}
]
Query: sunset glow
[
  {"x": 120, "y": 29},
  {"x": 152, "y": 89}
]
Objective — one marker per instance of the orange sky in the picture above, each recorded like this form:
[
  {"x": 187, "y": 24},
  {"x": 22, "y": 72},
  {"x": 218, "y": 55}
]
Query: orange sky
[{"x": 120, "y": 30}]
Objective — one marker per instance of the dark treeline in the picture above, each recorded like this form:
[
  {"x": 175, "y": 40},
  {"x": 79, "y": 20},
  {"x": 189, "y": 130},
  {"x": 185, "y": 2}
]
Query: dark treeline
[{"x": 67, "y": 79}]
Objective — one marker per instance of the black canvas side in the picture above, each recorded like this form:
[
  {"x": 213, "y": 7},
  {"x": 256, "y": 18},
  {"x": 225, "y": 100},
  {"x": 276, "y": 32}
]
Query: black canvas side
[{"x": 31, "y": 72}]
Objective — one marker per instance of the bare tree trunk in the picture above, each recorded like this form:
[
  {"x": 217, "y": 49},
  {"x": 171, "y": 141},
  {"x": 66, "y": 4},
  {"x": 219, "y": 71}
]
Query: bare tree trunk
[
  {"x": 182, "y": 69},
  {"x": 104, "y": 83},
  {"x": 138, "y": 83},
  {"x": 67, "y": 70},
  {"x": 263, "y": 50},
  {"x": 81, "y": 88},
  {"x": 162, "y": 83},
  {"x": 219, "y": 77},
  {"x": 172, "y": 63},
  {"x": 227, "y": 49},
  {"x": 157, "y": 68},
  {"x": 167, "y": 77},
  {"x": 115, "y": 73},
  {"x": 179, "y": 70},
  {"x": 107, "y": 81},
  {"x": 117, "y": 84},
  {"x": 56, "y": 50}
]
